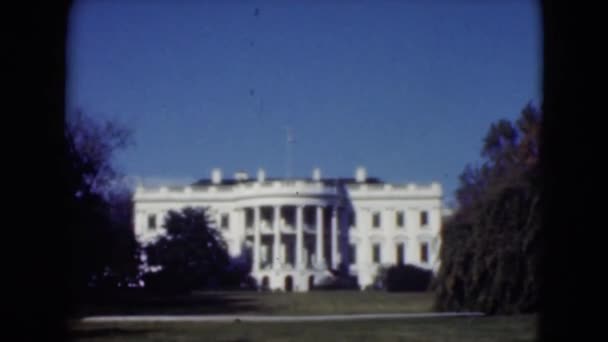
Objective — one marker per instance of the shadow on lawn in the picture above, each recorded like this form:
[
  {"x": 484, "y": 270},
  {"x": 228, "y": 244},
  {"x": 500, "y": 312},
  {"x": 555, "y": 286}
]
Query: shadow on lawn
[
  {"x": 118, "y": 332},
  {"x": 108, "y": 332},
  {"x": 134, "y": 302}
]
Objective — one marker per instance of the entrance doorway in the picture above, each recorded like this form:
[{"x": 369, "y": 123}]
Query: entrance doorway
[
  {"x": 289, "y": 283},
  {"x": 265, "y": 283}
]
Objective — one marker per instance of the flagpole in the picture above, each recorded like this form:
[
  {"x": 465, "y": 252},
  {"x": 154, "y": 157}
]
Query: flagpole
[{"x": 288, "y": 162}]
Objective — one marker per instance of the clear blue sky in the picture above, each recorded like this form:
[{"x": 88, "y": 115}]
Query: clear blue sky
[{"x": 406, "y": 88}]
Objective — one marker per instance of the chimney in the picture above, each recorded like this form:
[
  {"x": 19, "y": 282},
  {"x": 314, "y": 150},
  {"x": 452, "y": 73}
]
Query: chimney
[
  {"x": 360, "y": 174},
  {"x": 216, "y": 176},
  {"x": 261, "y": 175},
  {"x": 316, "y": 174},
  {"x": 241, "y": 176}
]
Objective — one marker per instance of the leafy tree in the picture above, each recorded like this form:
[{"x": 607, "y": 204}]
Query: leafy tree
[
  {"x": 191, "y": 254},
  {"x": 103, "y": 247},
  {"x": 122, "y": 259},
  {"x": 91, "y": 145},
  {"x": 490, "y": 250}
]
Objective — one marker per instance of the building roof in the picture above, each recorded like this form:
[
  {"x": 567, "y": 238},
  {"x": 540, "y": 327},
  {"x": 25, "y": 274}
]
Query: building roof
[{"x": 326, "y": 181}]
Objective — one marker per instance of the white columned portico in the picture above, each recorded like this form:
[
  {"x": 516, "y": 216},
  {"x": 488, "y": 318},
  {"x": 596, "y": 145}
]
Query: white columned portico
[
  {"x": 334, "y": 237},
  {"x": 299, "y": 238},
  {"x": 276, "y": 261},
  {"x": 319, "y": 247},
  {"x": 256, "y": 239}
]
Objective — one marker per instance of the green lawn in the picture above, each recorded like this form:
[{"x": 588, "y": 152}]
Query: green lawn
[
  {"x": 326, "y": 302},
  {"x": 335, "y": 302},
  {"x": 486, "y": 329}
]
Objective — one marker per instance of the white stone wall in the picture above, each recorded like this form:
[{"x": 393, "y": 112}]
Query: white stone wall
[{"x": 364, "y": 199}]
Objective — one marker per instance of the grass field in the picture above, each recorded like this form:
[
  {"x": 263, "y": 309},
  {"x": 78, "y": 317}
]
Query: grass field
[
  {"x": 311, "y": 303},
  {"x": 486, "y": 329},
  {"x": 337, "y": 302}
]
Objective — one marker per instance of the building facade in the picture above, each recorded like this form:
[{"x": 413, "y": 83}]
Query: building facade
[{"x": 296, "y": 230}]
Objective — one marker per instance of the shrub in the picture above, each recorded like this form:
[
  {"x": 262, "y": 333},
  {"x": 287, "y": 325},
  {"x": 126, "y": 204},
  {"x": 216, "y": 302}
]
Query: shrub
[{"x": 407, "y": 278}]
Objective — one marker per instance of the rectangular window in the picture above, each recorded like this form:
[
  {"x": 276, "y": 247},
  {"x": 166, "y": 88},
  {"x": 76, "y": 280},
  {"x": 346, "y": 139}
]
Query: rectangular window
[
  {"x": 225, "y": 221},
  {"x": 424, "y": 218},
  {"x": 376, "y": 220},
  {"x": 376, "y": 253},
  {"x": 400, "y": 219},
  {"x": 353, "y": 254},
  {"x": 151, "y": 221},
  {"x": 424, "y": 252},
  {"x": 400, "y": 254}
]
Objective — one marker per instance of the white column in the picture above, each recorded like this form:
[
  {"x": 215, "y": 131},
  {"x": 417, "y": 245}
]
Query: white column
[
  {"x": 218, "y": 220},
  {"x": 334, "y": 237},
  {"x": 256, "y": 239},
  {"x": 437, "y": 228},
  {"x": 320, "y": 250},
  {"x": 139, "y": 222},
  {"x": 240, "y": 224},
  {"x": 299, "y": 238},
  {"x": 435, "y": 223},
  {"x": 277, "y": 238},
  {"x": 364, "y": 253}
]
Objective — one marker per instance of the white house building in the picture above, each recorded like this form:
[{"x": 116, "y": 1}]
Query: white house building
[{"x": 296, "y": 230}]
